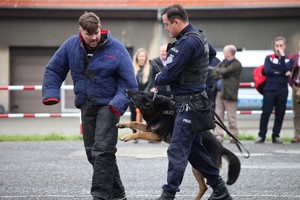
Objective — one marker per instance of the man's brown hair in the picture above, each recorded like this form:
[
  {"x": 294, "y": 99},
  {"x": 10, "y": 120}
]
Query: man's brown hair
[
  {"x": 280, "y": 38},
  {"x": 89, "y": 21},
  {"x": 175, "y": 11}
]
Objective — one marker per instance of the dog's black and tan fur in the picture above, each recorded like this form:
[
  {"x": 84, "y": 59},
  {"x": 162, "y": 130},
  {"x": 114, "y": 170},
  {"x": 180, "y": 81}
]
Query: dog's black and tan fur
[{"x": 159, "y": 114}]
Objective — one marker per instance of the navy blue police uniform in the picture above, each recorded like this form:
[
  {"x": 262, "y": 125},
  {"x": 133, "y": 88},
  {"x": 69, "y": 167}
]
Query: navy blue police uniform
[{"x": 186, "y": 73}]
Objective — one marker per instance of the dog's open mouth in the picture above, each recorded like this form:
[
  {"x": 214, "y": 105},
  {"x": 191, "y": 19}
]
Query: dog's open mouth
[{"x": 141, "y": 100}]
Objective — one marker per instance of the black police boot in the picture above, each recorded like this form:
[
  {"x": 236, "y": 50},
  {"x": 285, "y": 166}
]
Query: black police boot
[
  {"x": 220, "y": 191},
  {"x": 166, "y": 195},
  {"x": 121, "y": 196}
]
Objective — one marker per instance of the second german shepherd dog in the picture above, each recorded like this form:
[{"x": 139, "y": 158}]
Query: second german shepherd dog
[{"x": 159, "y": 113}]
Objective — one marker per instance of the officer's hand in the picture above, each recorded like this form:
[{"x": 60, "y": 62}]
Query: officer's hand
[{"x": 153, "y": 90}]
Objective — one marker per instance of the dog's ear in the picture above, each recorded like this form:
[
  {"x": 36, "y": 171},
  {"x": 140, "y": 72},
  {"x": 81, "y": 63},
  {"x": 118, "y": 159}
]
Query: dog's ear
[
  {"x": 146, "y": 101},
  {"x": 150, "y": 95},
  {"x": 145, "y": 104},
  {"x": 131, "y": 93}
]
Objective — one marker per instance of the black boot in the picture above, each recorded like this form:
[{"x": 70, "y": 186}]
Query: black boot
[
  {"x": 119, "y": 197},
  {"x": 166, "y": 195},
  {"x": 220, "y": 191}
]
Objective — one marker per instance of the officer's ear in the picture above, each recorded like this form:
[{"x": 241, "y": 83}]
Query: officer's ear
[{"x": 176, "y": 21}]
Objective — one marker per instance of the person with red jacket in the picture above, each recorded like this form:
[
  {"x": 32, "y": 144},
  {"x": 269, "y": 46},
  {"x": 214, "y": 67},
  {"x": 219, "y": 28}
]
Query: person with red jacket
[
  {"x": 101, "y": 71},
  {"x": 275, "y": 91},
  {"x": 295, "y": 83}
]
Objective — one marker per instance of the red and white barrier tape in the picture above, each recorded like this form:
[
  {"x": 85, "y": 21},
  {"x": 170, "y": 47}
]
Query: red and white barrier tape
[
  {"x": 39, "y": 115},
  {"x": 58, "y": 115},
  {"x": 247, "y": 85},
  {"x": 44, "y": 115},
  {"x": 32, "y": 87},
  {"x": 250, "y": 112},
  {"x": 70, "y": 87}
]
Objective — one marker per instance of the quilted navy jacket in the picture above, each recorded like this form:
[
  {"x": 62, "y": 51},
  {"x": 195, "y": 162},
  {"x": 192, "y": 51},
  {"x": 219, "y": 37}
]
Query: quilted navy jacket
[
  {"x": 275, "y": 69},
  {"x": 103, "y": 81}
]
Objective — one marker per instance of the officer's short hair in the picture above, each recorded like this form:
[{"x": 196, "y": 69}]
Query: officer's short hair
[
  {"x": 175, "y": 11},
  {"x": 89, "y": 21}
]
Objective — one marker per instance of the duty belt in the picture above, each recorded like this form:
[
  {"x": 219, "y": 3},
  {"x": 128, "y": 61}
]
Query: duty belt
[{"x": 185, "y": 98}]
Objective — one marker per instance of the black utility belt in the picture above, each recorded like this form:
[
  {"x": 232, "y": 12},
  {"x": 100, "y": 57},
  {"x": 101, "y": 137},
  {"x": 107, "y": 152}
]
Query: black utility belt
[{"x": 184, "y": 98}]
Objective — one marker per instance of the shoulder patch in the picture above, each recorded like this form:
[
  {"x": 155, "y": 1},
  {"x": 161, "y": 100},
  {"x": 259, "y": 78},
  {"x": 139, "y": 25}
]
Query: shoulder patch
[
  {"x": 188, "y": 121},
  {"x": 170, "y": 58}
]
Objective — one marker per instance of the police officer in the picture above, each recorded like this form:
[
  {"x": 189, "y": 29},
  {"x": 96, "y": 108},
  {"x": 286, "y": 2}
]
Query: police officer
[{"x": 186, "y": 73}]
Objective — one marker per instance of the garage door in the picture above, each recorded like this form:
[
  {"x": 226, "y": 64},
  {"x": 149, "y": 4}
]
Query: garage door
[{"x": 27, "y": 65}]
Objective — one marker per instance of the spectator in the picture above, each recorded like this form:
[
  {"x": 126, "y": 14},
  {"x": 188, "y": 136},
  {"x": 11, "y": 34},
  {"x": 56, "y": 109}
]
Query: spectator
[
  {"x": 160, "y": 62},
  {"x": 186, "y": 73},
  {"x": 211, "y": 82},
  {"x": 277, "y": 69},
  {"x": 295, "y": 83},
  {"x": 227, "y": 73},
  {"x": 101, "y": 70},
  {"x": 142, "y": 73}
]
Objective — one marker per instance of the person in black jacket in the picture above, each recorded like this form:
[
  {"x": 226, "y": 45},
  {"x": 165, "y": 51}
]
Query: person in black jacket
[
  {"x": 159, "y": 62},
  {"x": 210, "y": 82},
  {"x": 142, "y": 73}
]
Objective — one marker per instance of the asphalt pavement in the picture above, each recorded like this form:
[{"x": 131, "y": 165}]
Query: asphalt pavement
[{"x": 60, "y": 170}]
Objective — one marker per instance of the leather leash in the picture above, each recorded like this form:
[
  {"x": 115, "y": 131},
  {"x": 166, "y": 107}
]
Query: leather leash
[{"x": 239, "y": 145}]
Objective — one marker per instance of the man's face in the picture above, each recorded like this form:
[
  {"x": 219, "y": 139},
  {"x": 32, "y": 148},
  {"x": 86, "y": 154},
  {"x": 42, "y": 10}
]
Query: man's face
[
  {"x": 163, "y": 53},
  {"x": 91, "y": 39},
  {"x": 170, "y": 27},
  {"x": 227, "y": 53},
  {"x": 279, "y": 46}
]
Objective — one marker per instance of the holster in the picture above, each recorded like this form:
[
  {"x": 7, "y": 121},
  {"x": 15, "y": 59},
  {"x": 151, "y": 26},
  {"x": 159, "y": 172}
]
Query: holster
[{"x": 201, "y": 111}]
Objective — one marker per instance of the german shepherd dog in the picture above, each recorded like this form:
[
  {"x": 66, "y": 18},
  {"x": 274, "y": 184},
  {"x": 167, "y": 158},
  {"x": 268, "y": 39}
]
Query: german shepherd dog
[{"x": 159, "y": 113}]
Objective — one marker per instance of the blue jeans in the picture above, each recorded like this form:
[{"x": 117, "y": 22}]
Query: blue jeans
[
  {"x": 100, "y": 136},
  {"x": 276, "y": 100},
  {"x": 186, "y": 146}
]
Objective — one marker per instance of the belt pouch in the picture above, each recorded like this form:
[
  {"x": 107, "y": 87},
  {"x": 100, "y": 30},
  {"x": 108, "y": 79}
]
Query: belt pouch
[{"x": 201, "y": 114}]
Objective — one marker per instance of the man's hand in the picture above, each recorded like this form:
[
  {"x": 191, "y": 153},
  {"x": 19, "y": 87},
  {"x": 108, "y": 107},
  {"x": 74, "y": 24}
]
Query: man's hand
[
  {"x": 280, "y": 52},
  {"x": 114, "y": 111},
  {"x": 50, "y": 101},
  {"x": 153, "y": 90}
]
